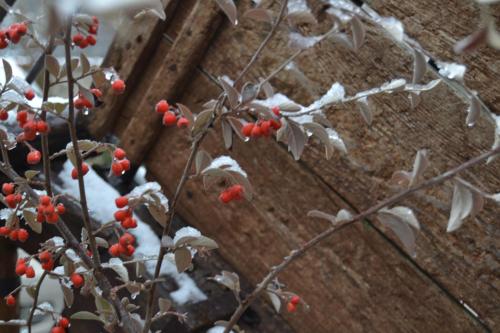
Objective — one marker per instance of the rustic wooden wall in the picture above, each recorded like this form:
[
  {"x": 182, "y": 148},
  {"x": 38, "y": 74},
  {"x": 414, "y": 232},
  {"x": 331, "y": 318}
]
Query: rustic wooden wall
[{"x": 360, "y": 279}]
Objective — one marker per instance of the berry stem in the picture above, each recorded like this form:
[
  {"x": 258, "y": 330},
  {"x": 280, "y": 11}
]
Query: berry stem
[{"x": 45, "y": 136}]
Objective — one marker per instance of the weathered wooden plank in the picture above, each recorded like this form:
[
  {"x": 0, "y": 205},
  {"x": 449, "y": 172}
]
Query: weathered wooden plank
[
  {"x": 438, "y": 25},
  {"x": 188, "y": 48},
  {"x": 128, "y": 54}
]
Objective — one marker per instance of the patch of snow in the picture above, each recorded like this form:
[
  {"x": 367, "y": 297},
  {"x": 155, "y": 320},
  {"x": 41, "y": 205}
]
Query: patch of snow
[
  {"x": 228, "y": 163},
  {"x": 186, "y": 232},
  {"x": 140, "y": 175},
  {"x": 100, "y": 197},
  {"x": 452, "y": 71},
  {"x": 336, "y": 93},
  {"x": 393, "y": 26},
  {"x": 217, "y": 329},
  {"x": 297, "y": 6},
  {"x": 299, "y": 41}
]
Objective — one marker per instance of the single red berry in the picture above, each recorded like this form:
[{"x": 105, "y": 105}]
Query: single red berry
[
  {"x": 236, "y": 191},
  {"x": 21, "y": 269},
  {"x": 22, "y": 235},
  {"x": 42, "y": 127},
  {"x": 18, "y": 197},
  {"x": 182, "y": 122},
  {"x": 4, "y": 114},
  {"x": 40, "y": 218},
  {"x": 10, "y": 300},
  {"x": 80, "y": 103},
  {"x": 83, "y": 44},
  {"x": 22, "y": 117},
  {"x": 30, "y": 272},
  {"x": 290, "y": 307},
  {"x": 120, "y": 154},
  {"x": 121, "y": 215},
  {"x": 121, "y": 202},
  {"x": 77, "y": 280},
  {"x": 275, "y": 124},
  {"x": 125, "y": 164},
  {"x": 91, "y": 40},
  {"x": 114, "y": 250},
  {"x": 4, "y": 231},
  {"x": 64, "y": 322},
  {"x": 265, "y": 128},
  {"x": 57, "y": 329},
  {"x": 78, "y": 38},
  {"x": 48, "y": 265},
  {"x": 22, "y": 28},
  {"x": 61, "y": 209},
  {"x": 93, "y": 29},
  {"x": 3, "y": 44},
  {"x": 225, "y": 197},
  {"x": 127, "y": 239},
  {"x": 52, "y": 218},
  {"x": 29, "y": 94},
  {"x": 295, "y": 300},
  {"x": 162, "y": 106},
  {"x": 96, "y": 92},
  {"x": 247, "y": 129},
  {"x": 49, "y": 209},
  {"x": 45, "y": 200},
  {"x": 45, "y": 256},
  {"x": 256, "y": 132},
  {"x": 130, "y": 250},
  {"x": 129, "y": 223},
  {"x": 118, "y": 86},
  {"x": 276, "y": 110},
  {"x": 74, "y": 172},
  {"x": 11, "y": 200},
  {"x": 34, "y": 157},
  {"x": 169, "y": 118},
  {"x": 8, "y": 188},
  {"x": 117, "y": 169}
]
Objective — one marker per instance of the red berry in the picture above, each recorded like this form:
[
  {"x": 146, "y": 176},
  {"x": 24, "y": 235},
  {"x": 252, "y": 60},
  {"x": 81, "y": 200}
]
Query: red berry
[
  {"x": 225, "y": 197},
  {"x": 48, "y": 265},
  {"x": 22, "y": 28},
  {"x": 4, "y": 115},
  {"x": 45, "y": 200},
  {"x": 34, "y": 157},
  {"x": 295, "y": 300},
  {"x": 236, "y": 191},
  {"x": 276, "y": 110},
  {"x": 21, "y": 269},
  {"x": 127, "y": 239},
  {"x": 45, "y": 256},
  {"x": 130, "y": 250},
  {"x": 91, "y": 40},
  {"x": 125, "y": 164},
  {"x": 4, "y": 231},
  {"x": 78, "y": 38},
  {"x": 290, "y": 307},
  {"x": 256, "y": 132},
  {"x": 77, "y": 280},
  {"x": 247, "y": 129},
  {"x": 8, "y": 188},
  {"x": 64, "y": 322},
  {"x": 80, "y": 103},
  {"x": 169, "y": 118},
  {"x": 118, "y": 86},
  {"x": 29, "y": 94},
  {"x": 3, "y": 44},
  {"x": 182, "y": 122},
  {"x": 121, "y": 202},
  {"x": 61, "y": 209},
  {"x": 22, "y": 235},
  {"x": 74, "y": 172},
  {"x": 120, "y": 154},
  {"x": 57, "y": 329},
  {"x": 52, "y": 218},
  {"x": 22, "y": 117},
  {"x": 114, "y": 250},
  {"x": 117, "y": 169},
  {"x": 162, "y": 106},
  {"x": 11, "y": 200},
  {"x": 275, "y": 124},
  {"x": 93, "y": 29},
  {"x": 83, "y": 44},
  {"x": 121, "y": 215},
  {"x": 129, "y": 223},
  {"x": 30, "y": 272},
  {"x": 42, "y": 127},
  {"x": 10, "y": 300},
  {"x": 96, "y": 92},
  {"x": 265, "y": 128}
]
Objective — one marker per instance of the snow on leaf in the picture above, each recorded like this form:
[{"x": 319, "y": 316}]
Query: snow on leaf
[
  {"x": 396, "y": 84},
  {"x": 474, "y": 111},
  {"x": 402, "y": 213},
  {"x": 336, "y": 93},
  {"x": 116, "y": 264},
  {"x": 185, "y": 233},
  {"x": 230, "y": 280},
  {"x": 342, "y": 216},
  {"x": 336, "y": 140},
  {"x": 275, "y": 301},
  {"x": 225, "y": 163},
  {"x": 452, "y": 71},
  {"x": 393, "y": 26},
  {"x": 298, "y": 41},
  {"x": 461, "y": 206},
  {"x": 401, "y": 228}
]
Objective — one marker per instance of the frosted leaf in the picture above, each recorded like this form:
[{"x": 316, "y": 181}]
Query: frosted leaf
[
  {"x": 56, "y": 241},
  {"x": 229, "y": 9},
  {"x": 451, "y": 70},
  {"x": 336, "y": 93},
  {"x": 461, "y": 206},
  {"x": 226, "y": 163},
  {"x": 116, "y": 264},
  {"x": 419, "y": 166},
  {"x": 186, "y": 232},
  {"x": 393, "y": 85},
  {"x": 297, "y": 6},
  {"x": 474, "y": 111},
  {"x": 44, "y": 308},
  {"x": 303, "y": 42},
  {"x": 419, "y": 66},
  {"x": 496, "y": 143},
  {"x": 358, "y": 32},
  {"x": 493, "y": 35},
  {"x": 336, "y": 140},
  {"x": 365, "y": 110},
  {"x": 402, "y": 230},
  {"x": 402, "y": 213},
  {"x": 393, "y": 26}
]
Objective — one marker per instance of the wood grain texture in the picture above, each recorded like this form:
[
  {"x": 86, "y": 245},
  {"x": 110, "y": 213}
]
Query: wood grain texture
[{"x": 360, "y": 280}]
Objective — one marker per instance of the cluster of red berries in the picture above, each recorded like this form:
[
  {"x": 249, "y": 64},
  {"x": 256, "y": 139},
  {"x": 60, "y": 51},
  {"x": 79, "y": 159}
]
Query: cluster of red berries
[
  {"x": 124, "y": 216},
  {"x": 23, "y": 269},
  {"x": 120, "y": 163},
  {"x": 61, "y": 326},
  {"x": 118, "y": 86},
  {"x": 13, "y": 34},
  {"x": 30, "y": 126},
  {"x": 170, "y": 117},
  {"x": 234, "y": 192},
  {"x": 81, "y": 102},
  {"x": 47, "y": 212},
  {"x": 12, "y": 199},
  {"x": 262, "y": 127},
  {"x": 18, "y": 234},
  {"x": 46, "y": 260},
  {"x": 85, "y": 170},
  {"x": 292, "y": 304},
  {"x": 77, "y": 280},
  {"x": 81, "y": 41},
  {"x": 125, "y": 246}
]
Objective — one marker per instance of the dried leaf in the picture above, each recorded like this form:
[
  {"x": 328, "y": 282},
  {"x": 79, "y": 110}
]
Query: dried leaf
[
  {"x": 275, "y": 301},
  {"x": 231, "y": 93},
  {"x": 419, "y": 66},
  {"x": 249, "y": 92},
  {"x": 365, "y": 110},
  {"x": 202, "y": 160},
  {"x": 30, "y": 219},
  {"x": 30, "y": 174},
  {"x": 402, "y": 230},
  {"x": 7, "y": 68},
  {"x": 68, "y": 295},
  {"x": 419, "y": 166},
  {"x": 203, "y": 120},
  {"x": 229, "y": 8},
  {"x": 230, "y": 280},
  {"x": 321, "y": 133},
  {"x": 358, "y": 32},
  {"x": 52, "y": 65},
  {"x": 85, "y": 63},
  {"x": 296, "y": 139},
  {"x": 164, "y": 304},
  {"x": 461, "y": 206},
  {"x": 182, "y": 259},
  {"x": 474, "y": 111},
  {"x": 227, "y": 134},
  {"x": 186, "y": 112},
  {"x": 404, "y": 214},
  {"x": 85, "y": 315}
]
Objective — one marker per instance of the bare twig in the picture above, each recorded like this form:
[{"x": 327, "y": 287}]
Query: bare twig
[
  {"x": 45, "y": 136},
  {"x": 297, "y": 253}
]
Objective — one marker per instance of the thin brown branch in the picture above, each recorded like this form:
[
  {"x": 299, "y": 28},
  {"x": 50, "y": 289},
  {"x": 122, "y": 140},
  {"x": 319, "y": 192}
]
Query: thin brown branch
[
  {"x": 297, "y": 253},
  {"x": 45, "y": 136}
]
